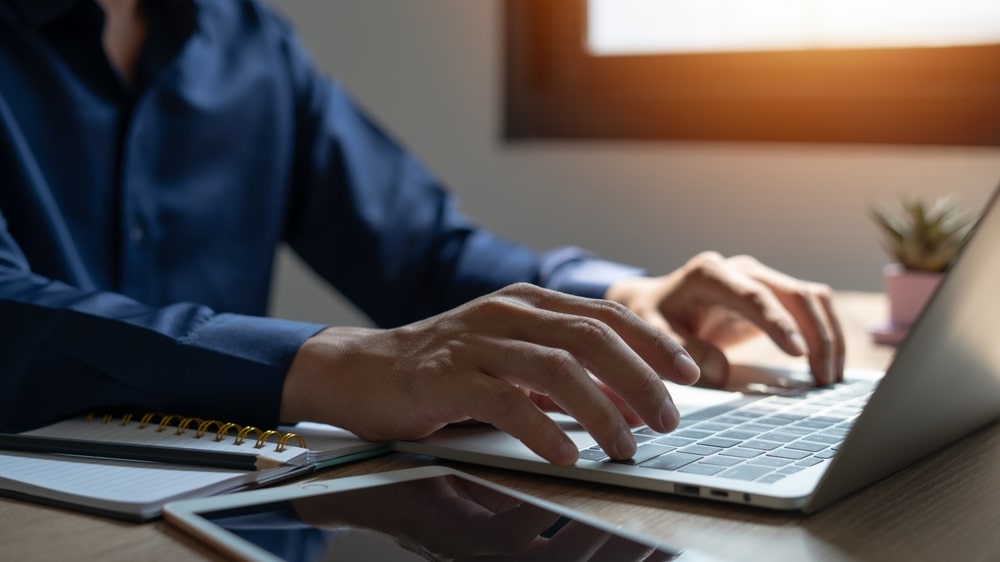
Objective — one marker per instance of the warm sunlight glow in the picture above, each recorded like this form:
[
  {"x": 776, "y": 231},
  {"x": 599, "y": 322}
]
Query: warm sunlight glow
[{"x": 618, "y": 27}]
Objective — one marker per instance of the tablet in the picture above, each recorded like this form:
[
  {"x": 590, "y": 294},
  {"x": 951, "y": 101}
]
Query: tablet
[{"x": 430, "y": 513}]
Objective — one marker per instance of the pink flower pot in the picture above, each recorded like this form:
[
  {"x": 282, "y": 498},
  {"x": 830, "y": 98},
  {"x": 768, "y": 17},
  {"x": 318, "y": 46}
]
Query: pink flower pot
[{"x": 908, "y": 292}]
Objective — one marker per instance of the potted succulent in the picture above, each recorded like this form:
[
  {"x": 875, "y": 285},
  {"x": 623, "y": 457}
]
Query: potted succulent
[{"x": 923, "y": 238}]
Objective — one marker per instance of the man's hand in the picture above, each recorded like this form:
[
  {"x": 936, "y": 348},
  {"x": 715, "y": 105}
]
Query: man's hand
[
  {"x": 713, "y": 302},
  {"x": 501, "y": 359}
]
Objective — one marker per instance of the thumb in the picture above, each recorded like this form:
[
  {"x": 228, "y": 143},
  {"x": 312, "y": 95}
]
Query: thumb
[{"x": 712, "y": 361}]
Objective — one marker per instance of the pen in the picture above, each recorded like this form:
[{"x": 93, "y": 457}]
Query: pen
[{"x": 126, "y": 451}]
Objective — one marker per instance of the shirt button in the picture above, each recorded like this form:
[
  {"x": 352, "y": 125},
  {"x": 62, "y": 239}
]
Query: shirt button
[{"x": 136, "y": 233}]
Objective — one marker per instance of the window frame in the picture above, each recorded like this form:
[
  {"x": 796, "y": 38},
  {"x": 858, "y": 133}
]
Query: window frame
[{"x": 913, "y": 96}]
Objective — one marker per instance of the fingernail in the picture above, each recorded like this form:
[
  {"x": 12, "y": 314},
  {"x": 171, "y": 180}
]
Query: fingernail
[
  {"x": 669, "y": 416},
  {"x": 714, "y": 371},
  {"x": 798, "y": 343},
  {"x": 625, "y": 445},
  {"x": 687, "y": 368},
  {"x": 568, "y": 453}
]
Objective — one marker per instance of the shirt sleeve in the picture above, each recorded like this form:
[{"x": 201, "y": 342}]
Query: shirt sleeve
[
  {"x": 374, "y": 222},
  {"x": 66, "y": 351}
]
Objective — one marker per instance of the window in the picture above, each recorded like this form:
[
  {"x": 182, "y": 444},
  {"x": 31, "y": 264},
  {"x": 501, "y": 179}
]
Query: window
[{"x": 788, "y": 70}]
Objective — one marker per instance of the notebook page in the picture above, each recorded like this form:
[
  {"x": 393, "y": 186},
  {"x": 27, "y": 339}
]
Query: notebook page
[
  {"x": 330, "y": 442},
  {"x": 136, "y": 489},
  {"x": 114, "y": 431}
]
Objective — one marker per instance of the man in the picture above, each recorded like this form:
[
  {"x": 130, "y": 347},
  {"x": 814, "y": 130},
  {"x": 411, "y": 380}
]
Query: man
[{"x": 152, "y": 156}]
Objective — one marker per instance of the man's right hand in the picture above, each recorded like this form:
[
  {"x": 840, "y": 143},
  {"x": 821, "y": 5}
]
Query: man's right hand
[{"x": 503, "y": 359}]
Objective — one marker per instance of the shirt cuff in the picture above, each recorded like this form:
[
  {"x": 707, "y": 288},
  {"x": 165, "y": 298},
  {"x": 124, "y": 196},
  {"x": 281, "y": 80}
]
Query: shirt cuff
[
  {"x": 232, "y": 367},
  {"x": 577, "y": 272}
]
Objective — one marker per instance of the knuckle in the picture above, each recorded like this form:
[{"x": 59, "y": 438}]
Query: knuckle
[
  {"x": 744, "y": 261},
  {"x": 593, "y": 333},
  {"x": 506, "y": 402},
  {"x": 522, "y": 290},
  {"x": 708, "y": 257},
  {"x": 557, "y": 363},
  {"x": 611, "y": 309},
  {"x": 821, "y": 291},
  {"x": 491, "y": 305}
]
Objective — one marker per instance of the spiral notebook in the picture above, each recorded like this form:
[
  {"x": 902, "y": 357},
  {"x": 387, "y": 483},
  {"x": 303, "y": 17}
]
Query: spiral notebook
[{"x": 84, "y": 470}]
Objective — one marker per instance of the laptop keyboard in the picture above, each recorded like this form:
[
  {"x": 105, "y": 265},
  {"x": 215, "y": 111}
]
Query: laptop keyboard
[{"x": 753, "y": 439}]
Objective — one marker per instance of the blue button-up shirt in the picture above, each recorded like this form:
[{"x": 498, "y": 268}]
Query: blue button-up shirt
[{"x": 138, "y": 224}]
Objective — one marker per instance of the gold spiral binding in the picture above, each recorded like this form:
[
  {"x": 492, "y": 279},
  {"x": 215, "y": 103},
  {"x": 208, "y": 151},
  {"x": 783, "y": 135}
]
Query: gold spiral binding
[
  {"x": 262, "y": 438},
  {"x": 283, "y": 442},
  {"x": 242, "y": 435},
  {"x": 182, "y": 427},
  {"x": 224, "y": 429},
  {"x": 202, "y": 427},
  {"x": 146, "y": 419},
  {"x": 165, "y": 423}
]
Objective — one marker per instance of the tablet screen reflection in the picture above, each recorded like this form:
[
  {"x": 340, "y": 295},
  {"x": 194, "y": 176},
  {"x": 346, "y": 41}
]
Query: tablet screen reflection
[{"x": 440, "y": 518}]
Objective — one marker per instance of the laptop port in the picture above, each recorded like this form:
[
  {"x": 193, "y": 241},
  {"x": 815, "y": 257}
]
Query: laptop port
[
  {"x": 687, "y": 490},
  {"x": 719, "y": 493}
]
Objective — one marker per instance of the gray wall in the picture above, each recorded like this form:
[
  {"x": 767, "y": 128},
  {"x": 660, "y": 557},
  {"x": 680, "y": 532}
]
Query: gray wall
[{"x": 430, "y": 71}]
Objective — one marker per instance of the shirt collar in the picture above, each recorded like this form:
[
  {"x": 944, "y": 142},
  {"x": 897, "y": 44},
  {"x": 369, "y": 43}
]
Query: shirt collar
[{"x": 40, "y": 12}]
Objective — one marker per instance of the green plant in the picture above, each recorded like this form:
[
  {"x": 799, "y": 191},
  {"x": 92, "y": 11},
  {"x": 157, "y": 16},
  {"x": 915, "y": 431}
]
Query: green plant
[{"x": 922, "y": 236}]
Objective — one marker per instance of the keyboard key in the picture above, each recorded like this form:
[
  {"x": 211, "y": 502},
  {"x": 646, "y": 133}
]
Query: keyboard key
[
  {"x": 700, "y": 450},
  {"x": 820, "y": 438},
  {"x": 593, "y": 455},
  {"x": 827, "y": 454},
  {"x": 730, "y": 420},
  {"x": 720, "y": 442},
  {"x": 646, "y": 431},
  {"x": 779, "y": 436},
  {"x": 702, "y": 468},
  {"x": 738, "y": 434},
  {"x": 761, "y": 445},
  {"x": 807, "y": 446},
  {"x": 741, "y": 452},
  {"x": 746, "y": 472},
  {"x": 720, "y": 460},
  {"x": 673, "y": 441},
  {"x": 692, "y": 434},
  {"x": 711, "y": 426},
  {"x": 646, "y": 451},
  {"x": 671, "y": 461},
  {"x": 809, "y": 462},
  {"x": 788, "y": 454},
  {"x": 769, "y": 461},
  {"x": 790, "y": 469},
  {"x": 814, "y": 423},
  {"x": 798, "y": 430},
  {"x": 771, "y": 478}
]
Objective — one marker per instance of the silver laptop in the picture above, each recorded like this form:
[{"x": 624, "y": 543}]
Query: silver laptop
[{"x": 805, "y": 448}]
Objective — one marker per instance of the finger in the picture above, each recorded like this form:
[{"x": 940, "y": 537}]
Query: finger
[
  {"x": 546, "y": 404},
  {"x": 601, "y": 350},
  {"x": 823, "y": 334},
  {"x": 557, "y": 374},
  {"x": 665, "y": 356},
  {"x": 812, "y": 304},
  {"x": 713, "y": 362},
  {"x": 840, "y": 342},
  {"x": 726, "y": 283},
  {"x": 655, "y": 318},
  {"x": 818, "y": 334},
  {"x": 508, "y": 409}
]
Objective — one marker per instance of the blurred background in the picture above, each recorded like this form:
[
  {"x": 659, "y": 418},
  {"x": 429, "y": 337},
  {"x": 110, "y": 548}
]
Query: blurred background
[{"x": 432, "y": 73}]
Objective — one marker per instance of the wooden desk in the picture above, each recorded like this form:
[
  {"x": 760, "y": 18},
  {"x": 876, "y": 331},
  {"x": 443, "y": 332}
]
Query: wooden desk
[{"x": 939, "y": 509}]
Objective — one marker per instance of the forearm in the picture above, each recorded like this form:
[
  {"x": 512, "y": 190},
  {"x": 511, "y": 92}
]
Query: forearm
[{"x": 65, "y": 351}]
